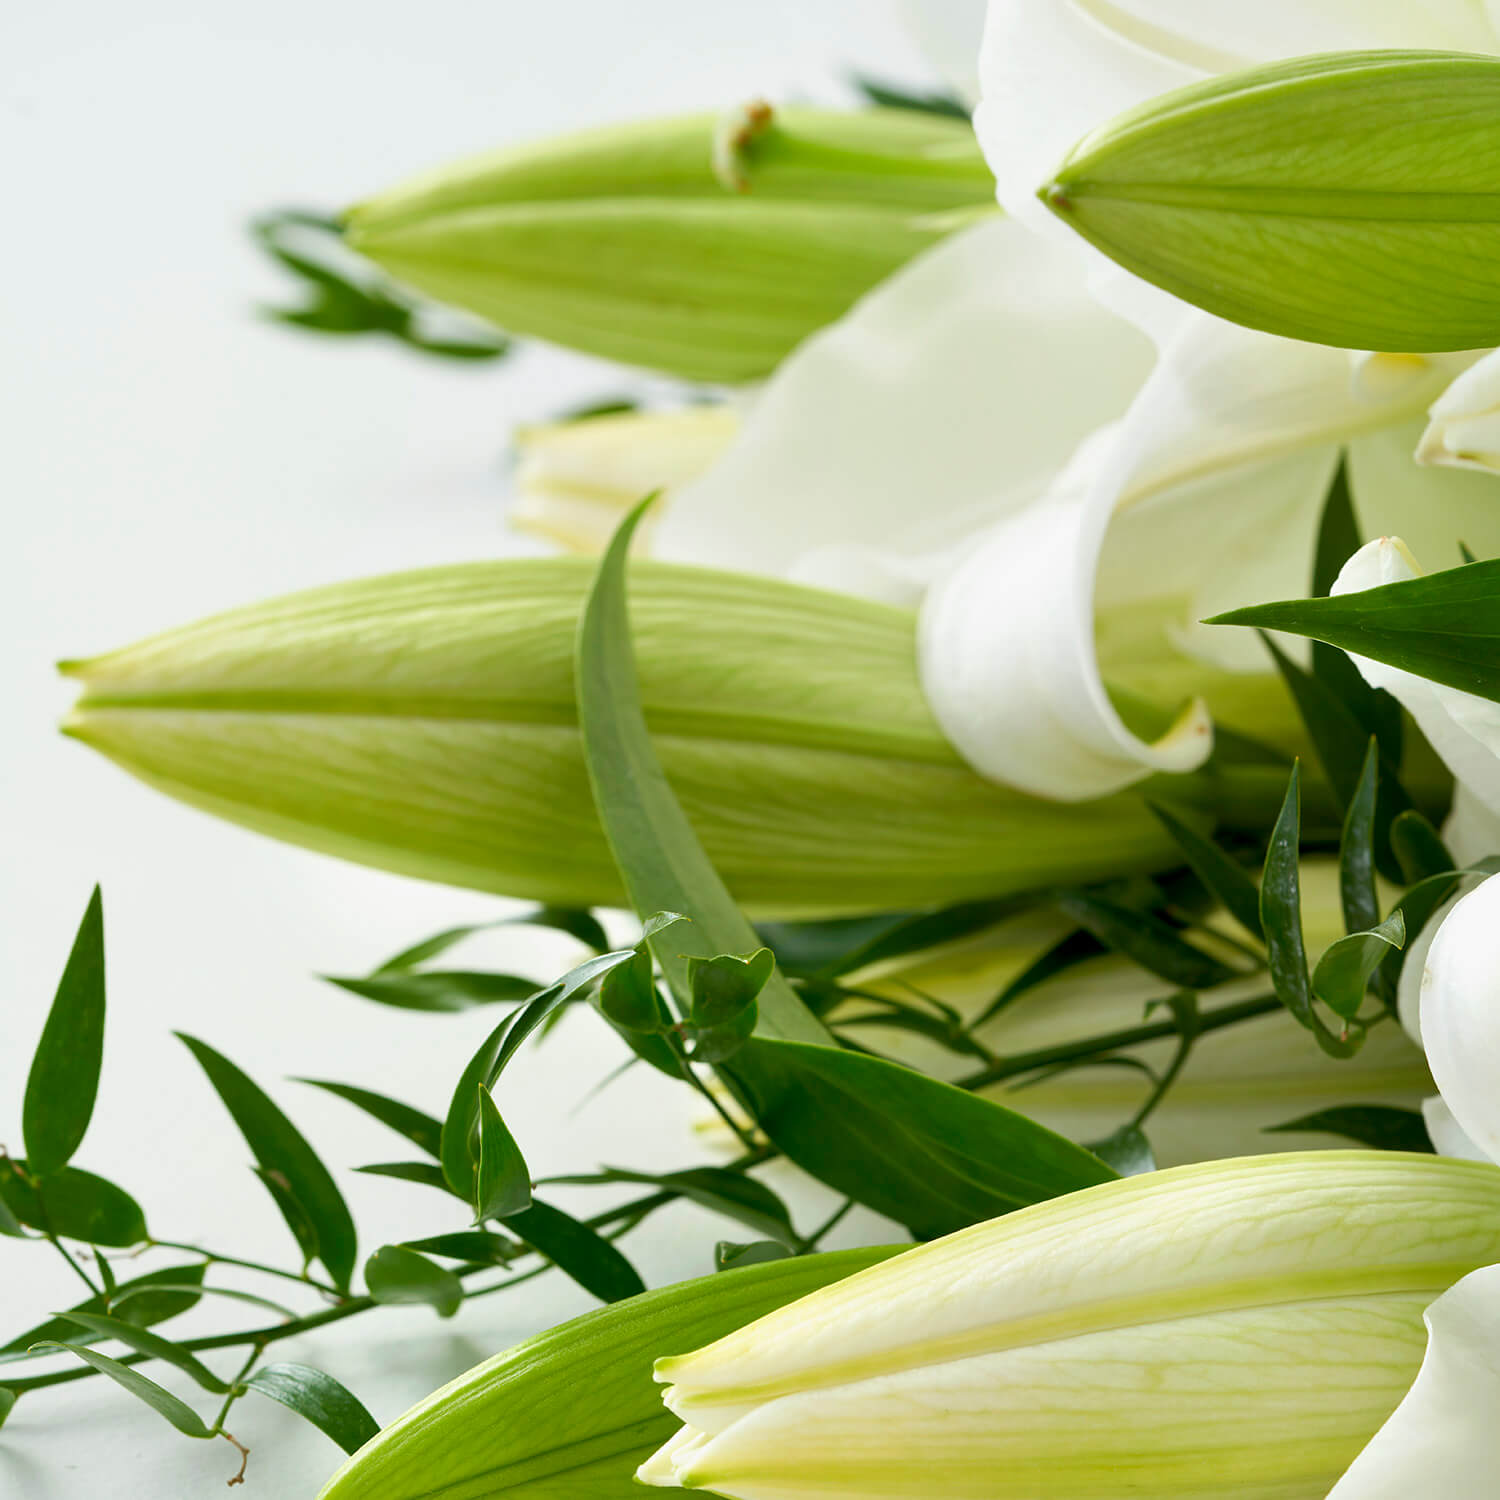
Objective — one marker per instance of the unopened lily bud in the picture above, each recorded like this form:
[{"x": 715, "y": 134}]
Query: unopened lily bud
[
  {"x": 425, "y": 723},
  {"x": 1343, "y": 199},
  {"x": 1239, "y": 1329},
  {"x": 576, "y": 480},
  {"x": 678, "y": 245},
  {"x": 573, "y": 1410},
  {"x": 1464, "y": 427}
]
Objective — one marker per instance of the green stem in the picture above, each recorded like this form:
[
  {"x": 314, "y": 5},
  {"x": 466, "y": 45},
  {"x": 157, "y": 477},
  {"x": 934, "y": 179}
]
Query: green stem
[
  {"x": 237, "y": 1387},
  {"x": 78, "y": 1270},
  {"x": 213, "y": 1256}
]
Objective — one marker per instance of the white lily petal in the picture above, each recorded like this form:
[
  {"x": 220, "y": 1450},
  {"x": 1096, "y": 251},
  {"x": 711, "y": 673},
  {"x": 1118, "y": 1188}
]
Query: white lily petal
[
  {"x": 1414, "y": 972},
  {"x": 1464, "y": 430},
  {"x": 1443, "y": 1440},
  {"x": 1463, "y": 728},
  {"x": 949, "y": 396},
  {"x": 1471, "y": 831},
  {"x": 1461, "y": 1014},
  {"x": 1449, "y": 1137},
  {"x": 949, "y": 32}
]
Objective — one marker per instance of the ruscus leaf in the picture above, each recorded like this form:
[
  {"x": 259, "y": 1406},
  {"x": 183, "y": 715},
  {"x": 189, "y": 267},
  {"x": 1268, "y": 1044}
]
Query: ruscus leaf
[
  {"x": 320, "y": 1399},
  {"x": 577, "y": 1251},
  {"x": 396, "y": 1276},
  {"x": 178, "y": 1413},
  {"x": 502, "y": 1180}
]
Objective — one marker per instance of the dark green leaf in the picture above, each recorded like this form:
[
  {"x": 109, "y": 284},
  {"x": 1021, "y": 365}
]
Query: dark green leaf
[
  {"x": 420, "y": 1129},
  {"x": 10, "y": 1225},
  {"x": 125, "y": 1302},
  {"x": 439, "y": 990},
  {"x": 395, "y": 1275},
  {"x": 152, "y": 1344},
  {"x": 1225, "y": 880},
  {"x": 921, "y": 1152},
  {"x": 74, "y": 1204},
  {"x": 580, "y": 924},
  {"x": 178, "y": 1413},
  {"x": 476, "y": 1247},
  {"x": 723, "y": 1011},
  {"x": 888, "y": 96},
  {"x": 304, "y": 1231},
  {"x": 1357, "y": 893},
  {"x": 1146, "y": 940},
  {"x": 319, "y": 1398},
  {"x": 1343, "y": 973},
  {"x": 8, "y": 1400},
  {"x": 1127, "y": 1151},
  {"x": 429, "y": 1174},
  {"x": 1443, "y": 626},
  {"x": 732, "y": 1194},
  {"x": 64, "y": 1077},
  {"x": 1419, "y": 847},
  {"x": 148, "y": 1299},
  {"x": 1067, "y": 953},
  {"x": 1376, "y": 1125},
  {"x": 459, "y": 1144},
  {"x": 286, "y": 1158},
  {"x": 629, "y": 998},
  {"x": 502, "y": 1180},
  {"x": 729, "y": 1256},
  {"x": 577, "y": 1251},
  {"x": 660, "y": 858}
]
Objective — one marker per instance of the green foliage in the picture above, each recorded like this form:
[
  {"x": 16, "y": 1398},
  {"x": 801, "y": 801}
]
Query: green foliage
[
  {"x": 1375, "y": 1125},
  {"x": 502, "y": 1180},
  {"x": 319, "y": 1399},
  {"x": 397, "y": 1276},
  {"x": 161, "y": 1401},
  {"x": 577, "y": 1250},
  {"x": 73, "y": 1204}
]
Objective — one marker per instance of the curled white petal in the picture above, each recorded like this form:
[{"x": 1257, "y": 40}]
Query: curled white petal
[
  {"x": 1463, "y": 728},
  {"x": 1461, "y": 1014},
  {"x": 1443, "y": 1440},
  {"x": 1449, "y": 1137},
  {"x": 1464, "y": 426}
]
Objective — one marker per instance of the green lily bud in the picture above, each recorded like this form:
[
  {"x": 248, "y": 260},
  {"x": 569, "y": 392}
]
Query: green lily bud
[
  {"x": 678, "y": 246},
  {"x": 425, "y": 723},
  {"x": 1349, "y": 199},
  {"x": 1239, "y": 1329},
  {"x": 572, "y": 1411}
]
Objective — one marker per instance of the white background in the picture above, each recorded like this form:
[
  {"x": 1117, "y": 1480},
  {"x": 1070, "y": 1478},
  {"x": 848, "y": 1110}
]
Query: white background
[{"x": 165, "y": 455}]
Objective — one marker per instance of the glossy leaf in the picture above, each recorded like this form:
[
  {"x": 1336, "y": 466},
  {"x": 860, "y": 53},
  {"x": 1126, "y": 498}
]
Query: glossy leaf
[
  {"x": 1226, "y": 880},
  {"x": 420, "y": 1129},
  {"x": 723, "y": 1012},
  {"x": 396, "y": 1275},
  {"x": 145, "y": 1300},
  {"x": 1443, "y": 626},
  {"x": 427, "y": 1173},
  {"x": 661, "y": 860},
  {"x": 64, "y": 1077},
  {"x": 320, "y": 1399},
  {"x": 285, "y": 1156},
  {"x": 1343, "y": 973},
  {"x": 439, "y": 990},
  {"x": 572, "y": 1412},
  {"x": 1419, "y": 847},
  {"x": 473, "y": 1246},
  {"x": 923, "y": 1153},
  {"x": 152, "y": 1344},
  {"x": 1146, "y": 940},
  {"x": 298, "y": 1220},
  {"x": 1357, "y": 891},
  {"x": 502, "y": 1180},
  {"x": 1344, "y": 199},
  {"x": 577, "y": 1251},
  {"x": 74, "y": 1204},
  {"x": 1376, "y": 1125},
  {"x": 732, "y": 1194},
  {"x": 629, "y": 998},
  {"x": 163, "y": 1402}
]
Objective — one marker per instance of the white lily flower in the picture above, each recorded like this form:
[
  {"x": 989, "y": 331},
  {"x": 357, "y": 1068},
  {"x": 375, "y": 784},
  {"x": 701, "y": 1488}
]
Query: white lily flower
[{"x": 1464, "y": 430}]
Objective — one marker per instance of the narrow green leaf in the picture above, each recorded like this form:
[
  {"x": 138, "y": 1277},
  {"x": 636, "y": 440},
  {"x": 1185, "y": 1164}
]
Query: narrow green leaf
[
  {"x": 8, "y": 1399},
  {"x": 397, "y": 1276},
  {"x": 427, "y": 1173},
  {"x": 1146, "y": 940},
  {"x": 577, "y": 1251},
  {"x": 661, "y": 860},
  {"x": 457, "y": 1149},
  {"x": 298, "y": 1220},
  {"x": 1226, "y": 881},
  {"x": 476, "y": 1247},
  {"x": 127, "y": 1299},
  {"x": 10, "y": 1225},
  {"x": 74, "y": 1204},
  {"x": 135, "y": 1337},
  {"x": 285, "y": 1156},
  {"x": 442, "y": 991},
  {"x": 1067, "y": 953},
  {"x": 1343, "y": 973},
  {"x": 1375, "y": 1125},
  {"x": 321, "y": 1400},
  {"x": 502, "y": 1180},
  {"x": 145, "y": 1300},
  {"x": 1443, "y": 626},
  {"x": 64, "y": 1077},
  {"x": 420, "y": 1129},
  {"x": 729, "y": 1256},
  {"x": 1357, "y": 893},
  {"x": 1419, "y": 847},
  {"x": 1127, "y": 1151},
  {"x": 1281, "y": 919},
  {"x": 924, "y": 1153},
  {"x": 732, "y": 1194},
  {"x": 178, "y": 1413},
  {"x": 580, "y": 924}
]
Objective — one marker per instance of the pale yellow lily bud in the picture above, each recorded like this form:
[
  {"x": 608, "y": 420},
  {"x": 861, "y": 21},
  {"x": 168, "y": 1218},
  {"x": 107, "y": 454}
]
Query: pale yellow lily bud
[
  {"x": 1239, "y": 1330},
  {"x": 425, "y": 723},
  {"x": 576, "y": 480}
]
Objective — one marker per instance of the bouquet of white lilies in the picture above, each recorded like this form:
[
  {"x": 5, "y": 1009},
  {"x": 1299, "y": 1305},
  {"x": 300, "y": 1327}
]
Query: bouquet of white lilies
[{"x": 1035, "y": 681}]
